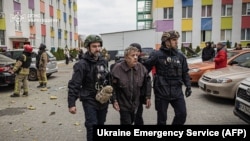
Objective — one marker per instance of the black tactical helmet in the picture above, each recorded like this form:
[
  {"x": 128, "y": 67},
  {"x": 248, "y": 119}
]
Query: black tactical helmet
[
  {"x": 92, "y": 39},
  {"x": 138, "y": 46},
  {"x": 42, "y": 46},
  {"x": 170, "y": 35}
]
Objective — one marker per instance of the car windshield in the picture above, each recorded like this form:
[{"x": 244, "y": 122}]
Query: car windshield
[
  {"x": 50, "y": 54},
  {"x": 245, "y": 64},
  {"x": 4, "y": 58},
  {"x": 120, "y": 52},
  {"x": 147, "y": 50},
  {"x": 231, "y": 54}
]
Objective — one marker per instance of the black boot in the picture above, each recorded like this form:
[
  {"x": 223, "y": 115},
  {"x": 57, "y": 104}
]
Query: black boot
[
  {"x": 44, "y": 85},
  {"x": 25, "y": 94},
  {"x": 40, "y": 85}
]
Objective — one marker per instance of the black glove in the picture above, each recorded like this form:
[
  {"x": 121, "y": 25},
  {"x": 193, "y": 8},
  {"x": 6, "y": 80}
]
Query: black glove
[{"x": 188, "y": 92}]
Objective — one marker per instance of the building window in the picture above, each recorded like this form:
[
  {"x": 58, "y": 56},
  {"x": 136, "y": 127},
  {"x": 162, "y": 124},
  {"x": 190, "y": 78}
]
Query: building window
[
  {"x": 65, "y": 42},
  {"x": 58, "y": 23},
  {"x": 33, "y": 39},
  {"x": 59, "y": 43},
  {"x": 52, "y": 44},
  {"x": 206, "y": 35},
  {"x": 187, "y": 12},
  {"x": 245, "y": 34},
  {"x": 186, "y": 36},
  {"x": 206, "y": 11},
  {"x": 58, "y": 4},
  {"x": 70, "y": 43},
  {"x": 2, "y": 37},
  {"x": 43, "y": 18},
  {"x": 18, "y": 23},
  {"x": 168, "y": 13},
  {"x": 226, "y": 35},
  {"x": 227, "y": 10},
  {"x": 50, "y": 2},
  {"x": 43, "y": 39},
  {"x": 245, "y": 8}
]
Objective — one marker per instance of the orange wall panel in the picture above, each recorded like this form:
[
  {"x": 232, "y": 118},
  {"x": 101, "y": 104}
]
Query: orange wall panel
[
  {"x": 51, "y": 11},
  {"x": 245, "y": 22},
  {"x": 42, "y": 6},
  {"x": 32, "y": 30},
  {"x": 43, "y": 29}
]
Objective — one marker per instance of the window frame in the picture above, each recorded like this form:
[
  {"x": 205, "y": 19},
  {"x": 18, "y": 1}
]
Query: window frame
[
  {"x": 224, "y": 35},
  {"x": 186, "y": 9},
  {"x": 225, "y": 10},
  {"x": 205, "y": 8},
  {"x": 187, "y": 38},
  {"x": 167, "y": 13}
]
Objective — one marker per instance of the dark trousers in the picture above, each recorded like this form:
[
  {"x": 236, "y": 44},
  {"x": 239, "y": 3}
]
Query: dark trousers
[
  {"x": 180, "y": 111},
  {"x": 93, "y": 116},
  {"x": 127, "y": 117},
  {"x": 138, "y": 116}
]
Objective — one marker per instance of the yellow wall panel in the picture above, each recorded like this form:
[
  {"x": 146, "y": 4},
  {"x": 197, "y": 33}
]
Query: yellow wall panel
[
  {"x": 2, "y": 24},
  {"x": 207, "y": 2},
  {"x": 187, "y": 24},
  {"x": 163, "y": 3},
  {"x": 226, "y": 23},
  {"x": 64, "y": 2},
  {"x": 58, "y": 14}
]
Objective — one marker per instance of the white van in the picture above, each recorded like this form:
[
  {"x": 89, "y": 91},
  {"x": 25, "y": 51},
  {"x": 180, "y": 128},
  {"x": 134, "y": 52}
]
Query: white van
[{"x": 242, "y": 101}]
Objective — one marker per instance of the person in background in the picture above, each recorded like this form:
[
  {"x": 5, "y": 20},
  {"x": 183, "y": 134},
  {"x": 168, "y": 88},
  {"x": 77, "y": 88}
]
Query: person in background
[
  {"x": 138, "y": 118},
  {"x": 221, "y": 57},
  {"x": 208, "y": 52},
  {"x": 21, "y": 69},
  {"x": 238, "y": 47},
  {"x": 171, "y": 73},
  {"x": 41, "y": 64},
  {"x": 80, "y": 54},
  {"x": 90, "y": 76},
  {"x": 67, "y": 55},
  {"x": 128, "y": 79}
]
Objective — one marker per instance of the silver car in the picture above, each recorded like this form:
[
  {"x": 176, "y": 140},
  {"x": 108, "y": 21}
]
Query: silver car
[{"x": 51, "y": 68}]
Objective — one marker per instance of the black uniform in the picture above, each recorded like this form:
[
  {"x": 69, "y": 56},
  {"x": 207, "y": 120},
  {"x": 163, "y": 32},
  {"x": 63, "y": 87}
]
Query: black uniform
[
  {"x": 171, "y": 73},
  {"x": 89, "y": 76}
]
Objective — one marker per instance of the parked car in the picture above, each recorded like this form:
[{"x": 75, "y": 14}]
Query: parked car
[
  {"x": 196, "y": 70},
  {"x": 242, "y": 101},
  {"x": 224, "y": 82},
  {"x": 119, "y": 55},
  {"x": 51, "y": 68},
  {"x": 6, "y": 64},
  {"x": 146, "y": 51}
]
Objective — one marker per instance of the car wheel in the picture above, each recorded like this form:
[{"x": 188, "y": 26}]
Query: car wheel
[{"x": 32, "y": 75}]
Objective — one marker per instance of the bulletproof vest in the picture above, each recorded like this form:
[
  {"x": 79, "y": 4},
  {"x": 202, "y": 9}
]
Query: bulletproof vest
[
  {"x": 102, "y": 75},
  {"x": 98, "y": 75},
  {"x": 26, "y": 61},
  {"x": 170, "y": 67}
]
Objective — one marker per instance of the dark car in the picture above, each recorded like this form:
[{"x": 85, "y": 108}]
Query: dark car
[
  {"x": 119, "y": 55},
  {"x": 146, "y": 51},
  {"x": 51, "y": 67},
  {"x": 6, "y": 64}
]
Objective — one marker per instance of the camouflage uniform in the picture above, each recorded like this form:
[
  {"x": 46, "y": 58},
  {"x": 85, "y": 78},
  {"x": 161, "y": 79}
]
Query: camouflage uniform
[
  {"x": 21, "y": 69},
  {"x": 41, "y": 67}
]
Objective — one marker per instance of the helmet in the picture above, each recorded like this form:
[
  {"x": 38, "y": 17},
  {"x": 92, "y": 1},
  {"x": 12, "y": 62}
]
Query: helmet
[
  {"x": 42, "y": 46},
  {"x": 138, "y": 46},
  {"x": 170, "y": 35},
  {"x": 28, "y": 48},
  {"x": 91, "y": 39}
]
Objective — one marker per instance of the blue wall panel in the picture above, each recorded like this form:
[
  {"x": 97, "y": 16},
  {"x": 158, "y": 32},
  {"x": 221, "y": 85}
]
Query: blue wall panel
[{"x": 206, "y": 24}]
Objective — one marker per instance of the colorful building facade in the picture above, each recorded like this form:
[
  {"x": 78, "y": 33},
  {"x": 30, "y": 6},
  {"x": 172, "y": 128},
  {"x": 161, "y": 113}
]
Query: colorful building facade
[
  {"x": 199, "y": 21},
  {"x": 52, "y": 22}
]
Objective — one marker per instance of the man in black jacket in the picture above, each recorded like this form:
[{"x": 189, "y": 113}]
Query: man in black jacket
[
  {"x": 171, "y": 73},
  {"x": 208, "y": 52},
  {"x": 89, "y": 77}
]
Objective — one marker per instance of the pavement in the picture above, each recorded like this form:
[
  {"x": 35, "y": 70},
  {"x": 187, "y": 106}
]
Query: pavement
[{"x": 44, "y": 116}]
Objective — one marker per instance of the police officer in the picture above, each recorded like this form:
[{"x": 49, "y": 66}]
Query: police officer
[
  {"x": 21, "y": 69},
  {"x": 41, "y": 63},
  {"x": 89, "y": 76},
  {"x": 171, "y": 73}
]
